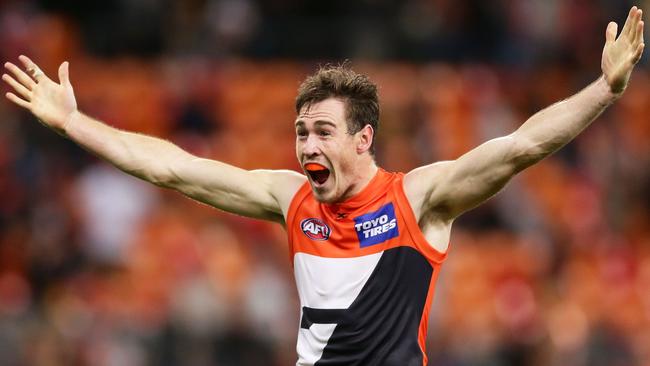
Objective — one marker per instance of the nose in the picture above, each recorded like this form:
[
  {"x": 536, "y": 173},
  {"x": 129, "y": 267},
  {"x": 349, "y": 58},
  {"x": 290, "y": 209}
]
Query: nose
[{"x": 311, "y": 146}]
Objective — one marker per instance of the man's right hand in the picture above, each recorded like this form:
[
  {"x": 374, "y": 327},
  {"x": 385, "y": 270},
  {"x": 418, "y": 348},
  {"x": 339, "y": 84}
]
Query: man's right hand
[
  {"x": 52, "y": 103},
  {"x": 262, "y": 194}
]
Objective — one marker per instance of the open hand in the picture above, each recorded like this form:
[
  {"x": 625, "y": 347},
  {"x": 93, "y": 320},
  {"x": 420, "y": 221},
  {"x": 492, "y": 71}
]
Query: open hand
[
  {"x": 620, "y": 55},
  {"x": 52, "y": 103}
]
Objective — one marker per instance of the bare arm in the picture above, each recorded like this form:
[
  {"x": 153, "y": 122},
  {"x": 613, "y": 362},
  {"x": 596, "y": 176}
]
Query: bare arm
[
  {"x": 260, "y": 194},
  {"x": 468, "y": 181},
  {"x": 257, "y": 193}
]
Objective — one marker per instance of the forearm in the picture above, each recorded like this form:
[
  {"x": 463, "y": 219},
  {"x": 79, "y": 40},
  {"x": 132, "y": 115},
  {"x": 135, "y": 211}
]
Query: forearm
[
  {"x": 553, "y": 127},
  {"x": 248, "y": 193},
  {"x": 142, "y": 156}
]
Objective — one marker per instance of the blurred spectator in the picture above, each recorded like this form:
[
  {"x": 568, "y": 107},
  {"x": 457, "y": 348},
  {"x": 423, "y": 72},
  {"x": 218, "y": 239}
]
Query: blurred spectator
[
  {"x": 97, "y": 268},
  {"x": 113, "y": 205}
]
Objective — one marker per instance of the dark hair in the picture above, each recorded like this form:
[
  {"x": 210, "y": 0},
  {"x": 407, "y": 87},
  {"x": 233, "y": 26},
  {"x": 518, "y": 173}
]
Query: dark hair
[{"x": 357, "y": 92}]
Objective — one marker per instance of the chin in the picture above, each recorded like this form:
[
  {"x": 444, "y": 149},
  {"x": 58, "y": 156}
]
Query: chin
[{"x": 323, "y": 195}]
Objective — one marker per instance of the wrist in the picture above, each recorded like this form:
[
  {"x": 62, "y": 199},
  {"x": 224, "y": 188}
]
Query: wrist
[
  {"x": 609, "y": 95},
  {"x": 69, "y": 121}
]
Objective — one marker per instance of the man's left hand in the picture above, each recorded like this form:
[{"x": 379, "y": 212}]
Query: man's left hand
[{"x": 622, "y": 53}]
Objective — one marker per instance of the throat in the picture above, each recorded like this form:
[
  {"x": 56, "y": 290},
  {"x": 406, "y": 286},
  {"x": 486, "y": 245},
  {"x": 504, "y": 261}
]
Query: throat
[{"x": 361, "y": 184}]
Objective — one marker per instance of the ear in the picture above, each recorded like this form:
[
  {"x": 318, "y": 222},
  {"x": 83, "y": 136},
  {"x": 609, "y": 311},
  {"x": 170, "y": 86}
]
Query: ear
[{"x": 364, "y": 139}]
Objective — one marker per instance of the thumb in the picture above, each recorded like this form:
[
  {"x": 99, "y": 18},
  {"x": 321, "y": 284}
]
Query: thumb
[
  {"x": 64, "y": 76},
  {"x": 610, "y": 33}
]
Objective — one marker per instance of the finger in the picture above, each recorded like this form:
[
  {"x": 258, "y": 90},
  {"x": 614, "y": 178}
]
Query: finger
[
  {"x": 635, "y": 30},
  {"x": 18, "y": 87},
  {"x": 639, "y": 33},
  {"x": 64, "y": 73},
  {"x": 34, "y": 71},
  {"x": 27, "y": 62},
  {"x": 610, "y": 32},
  {"x": 628, "y": 22},
  {"x": 23, "y": 103},
  {"x": 20, "y": 75},
  {"x": 635, "y": 23},
  {"x": 638, "y": 53}
]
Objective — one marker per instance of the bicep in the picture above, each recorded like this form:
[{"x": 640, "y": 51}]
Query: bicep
[
  {"x": 453, "y": 187},
  {"x": 262, "y": 194}
]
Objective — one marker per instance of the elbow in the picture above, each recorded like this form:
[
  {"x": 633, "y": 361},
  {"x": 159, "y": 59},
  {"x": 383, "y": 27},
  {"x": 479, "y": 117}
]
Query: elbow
[
  {"x": 526, "y": 152},
  {"x": 154, "y": 173},
  {"x": 156, "y": 178},
  {"x": 160, "y": 180},
  {"x": 165, "y": 177},
  {"x": 166, "y": 171}
]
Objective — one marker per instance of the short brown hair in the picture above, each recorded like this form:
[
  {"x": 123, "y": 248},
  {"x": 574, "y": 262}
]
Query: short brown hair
[{"x": 357, "y": 92}]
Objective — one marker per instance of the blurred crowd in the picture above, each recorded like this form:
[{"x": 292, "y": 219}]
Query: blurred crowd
[{"x": 99, "y": 268}]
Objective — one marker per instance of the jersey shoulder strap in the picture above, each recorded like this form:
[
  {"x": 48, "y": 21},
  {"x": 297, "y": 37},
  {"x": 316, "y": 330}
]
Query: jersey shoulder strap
[
  {"x": 298, "y": 199},
  {"x": 411, "y": 222}
]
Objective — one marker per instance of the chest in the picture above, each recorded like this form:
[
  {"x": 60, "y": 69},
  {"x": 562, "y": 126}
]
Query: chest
[{"x": 348, "y": 233}]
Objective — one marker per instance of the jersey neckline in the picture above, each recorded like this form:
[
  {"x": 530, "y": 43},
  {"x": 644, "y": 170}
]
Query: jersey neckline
[{"x": 377, "y": 185}]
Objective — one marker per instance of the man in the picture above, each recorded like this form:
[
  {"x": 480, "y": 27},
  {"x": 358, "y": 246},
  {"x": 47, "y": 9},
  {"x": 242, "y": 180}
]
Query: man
[{"x": 366, "y": 245}]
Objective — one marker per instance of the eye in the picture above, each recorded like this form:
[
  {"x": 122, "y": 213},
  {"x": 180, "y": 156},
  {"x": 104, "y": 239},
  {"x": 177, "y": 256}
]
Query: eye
[
  {"x": 301, "y": 133},
  {"x": 324, "y": 133}
]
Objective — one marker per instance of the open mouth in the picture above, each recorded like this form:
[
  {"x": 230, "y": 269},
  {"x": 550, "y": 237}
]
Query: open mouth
[{"x": 317, "y": 172}]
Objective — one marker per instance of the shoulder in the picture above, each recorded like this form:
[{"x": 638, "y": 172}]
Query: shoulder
[
  {"x": 421, "y": 185},
  {"x": 283, "y": 185}
]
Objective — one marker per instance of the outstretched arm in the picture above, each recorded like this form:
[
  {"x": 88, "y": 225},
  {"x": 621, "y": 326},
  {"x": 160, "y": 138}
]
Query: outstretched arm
[
  {"x": 468, "y": 181},
  {"x": 260, "y": 194}
]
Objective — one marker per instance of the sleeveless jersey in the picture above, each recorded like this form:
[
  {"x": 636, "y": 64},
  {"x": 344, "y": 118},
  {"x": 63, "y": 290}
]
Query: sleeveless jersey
[{"x": 365, "y": 276}]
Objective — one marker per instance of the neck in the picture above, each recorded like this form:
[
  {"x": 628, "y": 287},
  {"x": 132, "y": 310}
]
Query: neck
[{"x": 361, "y": 177}]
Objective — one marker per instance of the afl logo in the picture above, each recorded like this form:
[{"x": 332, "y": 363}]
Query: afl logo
[{"x": 315, "y": 229}]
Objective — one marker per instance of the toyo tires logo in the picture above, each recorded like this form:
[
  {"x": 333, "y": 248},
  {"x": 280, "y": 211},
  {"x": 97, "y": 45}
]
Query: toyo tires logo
[
  {"x": 377, "y": 227},
  {"x": 315, "y": 229}
]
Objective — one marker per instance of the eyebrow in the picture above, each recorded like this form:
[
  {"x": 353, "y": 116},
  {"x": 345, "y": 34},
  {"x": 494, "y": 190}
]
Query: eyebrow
[{"x": 301, "y": 123}]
